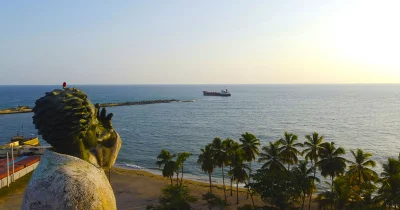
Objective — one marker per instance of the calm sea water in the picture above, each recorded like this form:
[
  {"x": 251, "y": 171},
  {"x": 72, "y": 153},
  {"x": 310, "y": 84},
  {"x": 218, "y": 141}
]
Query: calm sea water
[{"x": 354, "y": 116}]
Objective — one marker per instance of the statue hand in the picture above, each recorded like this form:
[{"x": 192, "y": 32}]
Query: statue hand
[{"x": 104, "y": 119}]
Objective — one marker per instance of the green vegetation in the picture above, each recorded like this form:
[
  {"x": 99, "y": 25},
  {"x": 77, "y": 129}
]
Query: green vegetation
[
  {"x": 165, "y": 159},
  {"x": 221, "y": 158},
  {"x": 18, "y": 186},
  {"x": 207, "y": 161},
  {"x": 182, "y": 157},
  {"x": 288, "y": 177},
  {"x": 174, "y": 197},
  {"x": 312, "y": 147},
  {"x": 214, "y": 201}
]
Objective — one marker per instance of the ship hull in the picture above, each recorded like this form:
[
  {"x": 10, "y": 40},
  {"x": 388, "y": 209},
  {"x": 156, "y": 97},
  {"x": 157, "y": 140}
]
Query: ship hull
[{"x": 206, "y": 93}]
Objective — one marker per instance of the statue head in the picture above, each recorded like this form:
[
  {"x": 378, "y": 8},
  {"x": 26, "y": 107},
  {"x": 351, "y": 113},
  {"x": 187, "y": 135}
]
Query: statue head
[{"x": 72, "y": 125}]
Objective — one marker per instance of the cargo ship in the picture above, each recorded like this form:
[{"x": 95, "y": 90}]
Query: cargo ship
[{"x": 223, "y": 92}]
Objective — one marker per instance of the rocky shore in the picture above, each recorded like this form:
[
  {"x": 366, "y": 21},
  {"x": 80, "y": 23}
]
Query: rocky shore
[{"x": 25, "y": 109}]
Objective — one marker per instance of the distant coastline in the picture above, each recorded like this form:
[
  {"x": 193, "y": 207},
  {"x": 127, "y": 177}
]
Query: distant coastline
[
  {"x": 17, "y": 110},
  {"x": 26, "y": 109}
]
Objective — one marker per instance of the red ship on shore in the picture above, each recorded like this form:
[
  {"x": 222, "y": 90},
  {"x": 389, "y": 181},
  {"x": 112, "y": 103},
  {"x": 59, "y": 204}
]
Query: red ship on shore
[{"x": 224, "y": 92}]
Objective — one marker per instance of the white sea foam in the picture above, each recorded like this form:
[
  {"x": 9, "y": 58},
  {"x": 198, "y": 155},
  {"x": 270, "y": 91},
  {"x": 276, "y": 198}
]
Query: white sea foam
[
  {"x": 187, "y": 176},
  {"x": 133, "y": 166}
]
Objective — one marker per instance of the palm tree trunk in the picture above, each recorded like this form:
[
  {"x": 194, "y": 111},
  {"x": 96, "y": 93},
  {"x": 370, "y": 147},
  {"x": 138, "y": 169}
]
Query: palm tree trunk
[
  {"x": 309, "y": 200},
  {"x": 288, "y": 167},
  {"x": 230, "y": 168},
  {"x": 304, "y": 198},
  {"x": 237, "y": 192},
  {"x": 171, "y": 179},
  {"x": 182, "y": 175},
  {"x": 177, "y": 178},
  {"x": 332, "y": 190},
  {"x": 209, "y": 176},
  {"x": 252, "y": 200},
  {"x": 248, "y": 190},
  {"x": 251, "y": 196},
  {"x": 223, "y": 180}
]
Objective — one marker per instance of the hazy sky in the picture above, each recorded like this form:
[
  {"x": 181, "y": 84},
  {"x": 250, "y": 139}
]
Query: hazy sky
[{"x": 199, "y": 42}]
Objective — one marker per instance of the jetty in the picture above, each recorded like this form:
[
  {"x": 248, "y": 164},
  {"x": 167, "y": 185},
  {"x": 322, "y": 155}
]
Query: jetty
[
  {"x": 19, "y": 109},
  {"x": 143, "y": 102},
  {"x": 26, "y": 109}
]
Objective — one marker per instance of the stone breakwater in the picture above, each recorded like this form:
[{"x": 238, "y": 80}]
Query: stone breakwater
[
  {"x": 143, "y": 102},
  {"x": 25, "y": 109},
  {"x": 19, "y": 109}
]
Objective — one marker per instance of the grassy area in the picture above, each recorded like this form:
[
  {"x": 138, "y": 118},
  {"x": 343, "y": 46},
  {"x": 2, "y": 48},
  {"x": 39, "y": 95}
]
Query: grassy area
[{"x": 17, "y": 186}]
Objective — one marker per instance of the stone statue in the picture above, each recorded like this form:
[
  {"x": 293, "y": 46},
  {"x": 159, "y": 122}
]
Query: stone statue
[{"x": 84, "y": 143}]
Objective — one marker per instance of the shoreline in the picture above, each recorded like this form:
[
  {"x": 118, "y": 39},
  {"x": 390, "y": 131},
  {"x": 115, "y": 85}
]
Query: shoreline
[
  {"x": 145, "y": 172},
  {"x": 186, "y": 176}
]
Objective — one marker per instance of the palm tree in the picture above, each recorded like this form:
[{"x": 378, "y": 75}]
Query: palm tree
[
  {"x": 238, "y": 172},
  {"x": 389, "y": 193},
  {"x": 207, "y": 161},
  {"x": 250, "y": 147},
  {"x": 221, "y": 158},
  {"x": 288, "y": 150},
  {"x": 182, "y": 157},
  {"x": 331, "y": 164},
  {"x": 312, "y": 145},
  {"x": 166, "y": 159},
  {"x": 359, "y": 171},
  {"x": 341, "y": 197},
  {"x": 230, "y": 147},
  {"x": 272, "y": 157},
  {"x": 305, "y": 179},
  {"x": 390, "y": 169}
]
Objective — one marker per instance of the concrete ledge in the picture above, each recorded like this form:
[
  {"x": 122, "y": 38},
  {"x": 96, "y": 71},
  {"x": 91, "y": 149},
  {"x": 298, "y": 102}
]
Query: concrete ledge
[{"x": 18, "y": 174}]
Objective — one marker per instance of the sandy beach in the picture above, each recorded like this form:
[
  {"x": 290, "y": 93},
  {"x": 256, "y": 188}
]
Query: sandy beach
[{"x": 135, "y": 189}]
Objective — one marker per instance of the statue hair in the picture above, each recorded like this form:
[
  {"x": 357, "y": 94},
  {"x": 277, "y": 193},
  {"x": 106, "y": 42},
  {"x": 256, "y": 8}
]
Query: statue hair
[{"x": 63, "y": 117}]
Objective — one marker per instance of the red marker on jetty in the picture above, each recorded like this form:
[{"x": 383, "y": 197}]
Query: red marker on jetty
[{"x": 64, "y": 85}]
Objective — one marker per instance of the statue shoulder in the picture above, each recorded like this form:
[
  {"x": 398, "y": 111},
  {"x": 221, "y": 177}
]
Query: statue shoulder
[{"x": 68, "y": 183}]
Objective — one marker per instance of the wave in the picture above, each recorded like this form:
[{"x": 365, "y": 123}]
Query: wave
[
  {"x": 131, "y": 166},
  {"x": 187, "y": 176}
]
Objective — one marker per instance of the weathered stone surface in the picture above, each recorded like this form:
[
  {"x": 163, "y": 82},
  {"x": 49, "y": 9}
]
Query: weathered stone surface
[{"x": 66, "y": 182}]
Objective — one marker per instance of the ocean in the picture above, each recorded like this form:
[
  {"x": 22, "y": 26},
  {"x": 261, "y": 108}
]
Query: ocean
[{"x": 353, "y": 116}]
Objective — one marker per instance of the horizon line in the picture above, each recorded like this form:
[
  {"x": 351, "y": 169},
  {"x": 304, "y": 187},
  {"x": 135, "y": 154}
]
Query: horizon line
[{"x": 207, "y": 84}]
